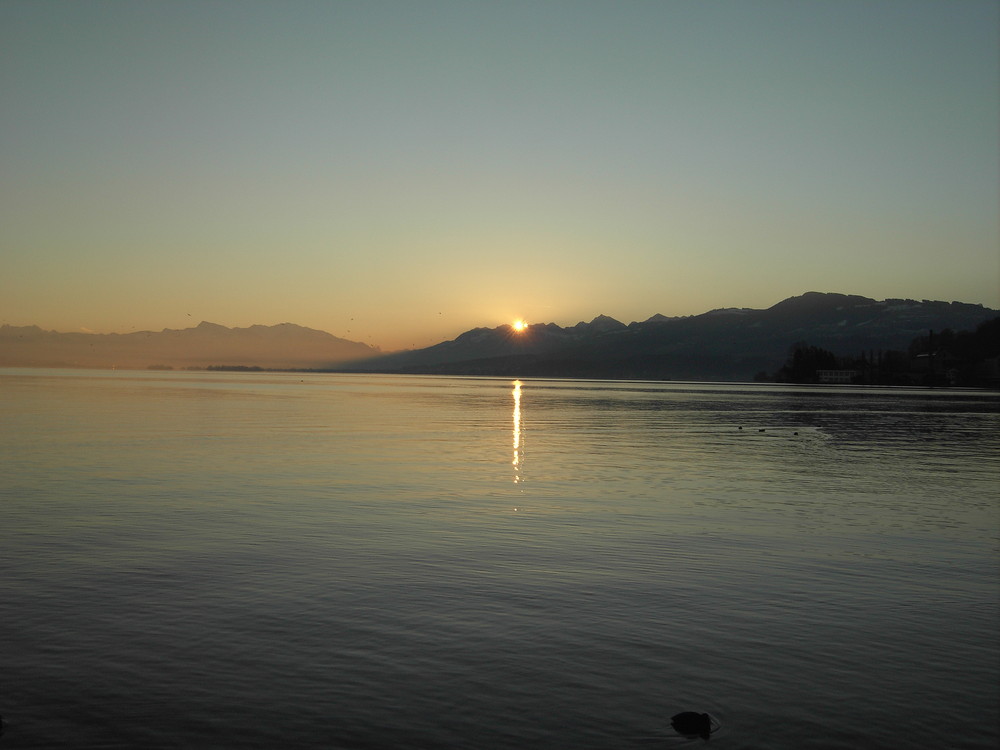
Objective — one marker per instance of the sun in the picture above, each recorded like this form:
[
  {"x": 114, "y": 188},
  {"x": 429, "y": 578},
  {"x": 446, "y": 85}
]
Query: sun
[{"x": 519, "y": 325}]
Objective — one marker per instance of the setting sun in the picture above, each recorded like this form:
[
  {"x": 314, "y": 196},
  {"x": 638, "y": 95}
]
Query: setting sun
[{"x": 519, "y": 325}]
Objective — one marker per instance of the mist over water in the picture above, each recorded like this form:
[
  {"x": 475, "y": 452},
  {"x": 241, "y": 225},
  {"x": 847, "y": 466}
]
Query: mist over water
[{"x": 325, "y": 561}]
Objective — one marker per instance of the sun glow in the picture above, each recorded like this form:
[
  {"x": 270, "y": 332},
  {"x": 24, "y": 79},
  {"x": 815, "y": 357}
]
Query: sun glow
[{"x": 519, "y": 325}]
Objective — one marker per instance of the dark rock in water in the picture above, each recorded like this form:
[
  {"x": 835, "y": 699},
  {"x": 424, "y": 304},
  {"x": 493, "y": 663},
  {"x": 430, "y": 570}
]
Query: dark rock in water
[{"x": 692, "y": 724}]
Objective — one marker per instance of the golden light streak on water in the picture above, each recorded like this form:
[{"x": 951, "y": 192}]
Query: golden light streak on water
[{"x": 517, "y": 432}]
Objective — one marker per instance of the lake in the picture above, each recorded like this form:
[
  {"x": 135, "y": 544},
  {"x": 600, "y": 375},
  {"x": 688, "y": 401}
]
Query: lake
[{"x": 287, "y": 560}]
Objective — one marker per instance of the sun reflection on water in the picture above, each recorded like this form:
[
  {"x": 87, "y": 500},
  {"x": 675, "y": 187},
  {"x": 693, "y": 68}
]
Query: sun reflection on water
[{"x": 518, "y": 451}]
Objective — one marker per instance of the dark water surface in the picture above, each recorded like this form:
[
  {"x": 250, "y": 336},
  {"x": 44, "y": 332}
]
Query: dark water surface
[{"x": 203, "y": 560}]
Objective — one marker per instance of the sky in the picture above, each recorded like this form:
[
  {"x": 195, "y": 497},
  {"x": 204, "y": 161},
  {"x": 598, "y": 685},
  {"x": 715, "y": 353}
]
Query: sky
[{"x": 399, "y": 172}]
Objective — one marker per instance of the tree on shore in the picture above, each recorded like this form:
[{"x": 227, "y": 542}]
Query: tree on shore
[
  {"x": 804, "y": 362},
  {"x": 947, "y": 357}
]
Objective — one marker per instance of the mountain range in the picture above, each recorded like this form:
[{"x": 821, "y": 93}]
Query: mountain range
[
  {"x": 722, "y": 344},
  {"x": 285, "y": 346}
]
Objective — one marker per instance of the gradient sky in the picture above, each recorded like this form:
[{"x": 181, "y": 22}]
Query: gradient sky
[{"x": 399, "y": 172}]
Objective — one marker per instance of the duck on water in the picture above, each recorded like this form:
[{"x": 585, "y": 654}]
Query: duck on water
[{"x": 693, "y": 724}]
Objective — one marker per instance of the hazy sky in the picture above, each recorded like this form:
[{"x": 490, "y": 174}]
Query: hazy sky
[{"x": 399, "y": 172}]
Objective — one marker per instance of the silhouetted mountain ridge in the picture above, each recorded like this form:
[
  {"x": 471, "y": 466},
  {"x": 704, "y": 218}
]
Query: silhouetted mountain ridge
[{"x": 722, "y": 344}]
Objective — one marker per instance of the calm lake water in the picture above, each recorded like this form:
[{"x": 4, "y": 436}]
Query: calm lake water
[{"x": 226, "y": 560}]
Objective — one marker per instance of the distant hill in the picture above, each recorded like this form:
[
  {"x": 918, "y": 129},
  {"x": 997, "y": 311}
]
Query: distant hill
[
  {"x": 283, "y": 346},
  {"x": 724, "y": 344}
]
